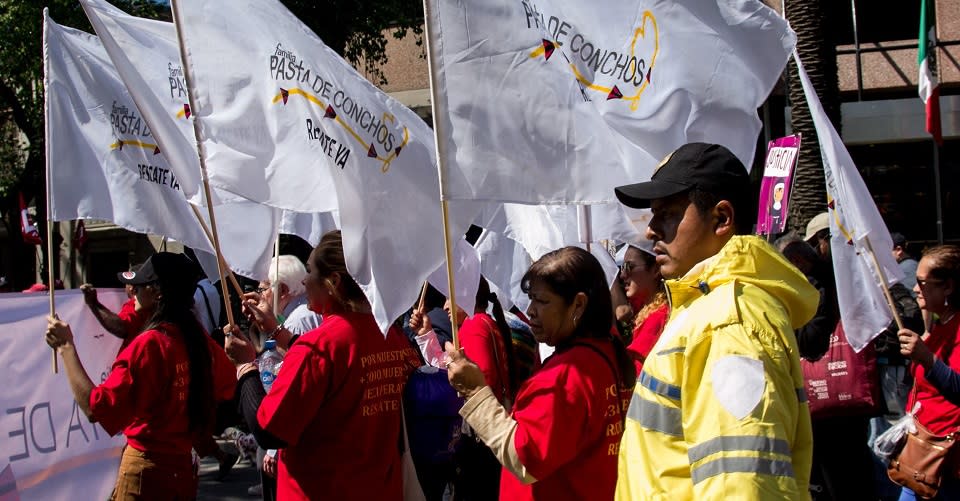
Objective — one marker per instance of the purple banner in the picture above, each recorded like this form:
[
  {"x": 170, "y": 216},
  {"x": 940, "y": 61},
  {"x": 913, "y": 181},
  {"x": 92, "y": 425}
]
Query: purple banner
[{"x": 776, "y": 186}]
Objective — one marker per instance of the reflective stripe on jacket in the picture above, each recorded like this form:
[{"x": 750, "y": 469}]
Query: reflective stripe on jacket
[{"x": 719, "y": 411}]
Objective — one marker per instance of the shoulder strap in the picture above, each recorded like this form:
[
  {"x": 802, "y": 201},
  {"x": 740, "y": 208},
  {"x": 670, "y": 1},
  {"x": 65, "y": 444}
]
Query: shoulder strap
[{"x": 504, "y": 383}]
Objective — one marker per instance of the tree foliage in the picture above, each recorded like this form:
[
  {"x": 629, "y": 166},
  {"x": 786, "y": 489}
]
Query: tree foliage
[{"x": 357, "y": 29}]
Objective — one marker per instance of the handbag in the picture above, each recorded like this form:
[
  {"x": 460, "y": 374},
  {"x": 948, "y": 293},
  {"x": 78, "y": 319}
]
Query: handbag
[
  {"x": 843, "y": 382},
  {"x": 920, "y": 464}
]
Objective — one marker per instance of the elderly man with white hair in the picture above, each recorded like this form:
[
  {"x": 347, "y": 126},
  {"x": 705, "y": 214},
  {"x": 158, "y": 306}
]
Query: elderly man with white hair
[{"x": 292, "y": 317}]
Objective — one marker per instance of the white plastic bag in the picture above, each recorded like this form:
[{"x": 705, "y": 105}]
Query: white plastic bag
[{"x": 889, "y": 443}]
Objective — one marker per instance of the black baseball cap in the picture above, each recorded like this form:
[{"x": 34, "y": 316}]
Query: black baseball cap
[
  {"x": 174, "y": 269},
  {"x": 710, "y": 167}
]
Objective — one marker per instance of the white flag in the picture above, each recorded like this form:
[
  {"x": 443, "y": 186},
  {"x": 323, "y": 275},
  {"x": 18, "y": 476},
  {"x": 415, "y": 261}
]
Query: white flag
[
  {"x": 101, "y": 154},
  {"x": 854, "y": 219},
  {"x": 466, "y": 272},
  {"x": 503, "y": 261},
  {"x": 294, "y": 115},
  {"x": 558, "y": 101},
  {"x": 146, "y": 55},
  {"x": 309, "y": 226}
]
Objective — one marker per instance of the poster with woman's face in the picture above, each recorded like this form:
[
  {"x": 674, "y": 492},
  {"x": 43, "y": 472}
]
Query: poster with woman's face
[{"x": 775, "y": 187}]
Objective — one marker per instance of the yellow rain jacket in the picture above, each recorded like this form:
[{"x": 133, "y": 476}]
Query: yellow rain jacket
[{"x": 719, "y": 410}]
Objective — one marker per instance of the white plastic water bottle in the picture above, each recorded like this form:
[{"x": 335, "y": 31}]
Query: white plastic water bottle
[{"x": 269, "y": 364}]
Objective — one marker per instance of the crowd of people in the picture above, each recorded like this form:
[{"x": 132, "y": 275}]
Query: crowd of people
[{"x": 682, "y": 379}]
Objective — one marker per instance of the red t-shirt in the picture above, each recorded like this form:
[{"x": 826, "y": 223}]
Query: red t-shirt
[
  {"x": 936, "y": 413},
  {"x": 145, "y": 395},
  {"x": 646, "y": 335},
  {"x": 336, "y": 402},
  {"x": 132, "y": 319},
  {"x": 569, "y": 423},
  {"x": 482, "y": 342}
]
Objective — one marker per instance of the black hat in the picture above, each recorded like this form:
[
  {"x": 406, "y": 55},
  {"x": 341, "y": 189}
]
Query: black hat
[
  {"x": 710, "y": 167},
  {"x": 173, "y": 269},
  {"x": 898, "y": 240}
]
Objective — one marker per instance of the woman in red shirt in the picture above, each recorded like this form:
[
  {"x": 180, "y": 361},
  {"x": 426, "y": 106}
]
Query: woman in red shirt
[
  {"x": 562, "y": 438},
  {"x": 488, "y": 342},
  {"x": 643, "y": 286},
  {"x": 936, "y": 359},
  {"x": 334, "y": 408},
  {"x": 163, "y": 387}
]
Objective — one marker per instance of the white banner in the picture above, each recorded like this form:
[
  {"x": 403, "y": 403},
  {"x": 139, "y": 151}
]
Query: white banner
[
  {"x": 294, "y": 116},
  {"x": 49, "y": 448},
  {"x": 854, "y": 219},
  {"x": 558, "y": 101}
]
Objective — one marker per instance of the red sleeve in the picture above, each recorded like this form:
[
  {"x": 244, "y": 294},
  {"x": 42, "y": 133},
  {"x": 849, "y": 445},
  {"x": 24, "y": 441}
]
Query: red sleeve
[
  {"x": 552, "y": 414},
  {"x": 114, "y": 403},
  {"x": 298, "y": 391},
  {"x": 478, "y": 346},
  {"x": 646, "y": 335},
  {"x": 131, "y": 318},
  {"x": 224, "y": 372}
]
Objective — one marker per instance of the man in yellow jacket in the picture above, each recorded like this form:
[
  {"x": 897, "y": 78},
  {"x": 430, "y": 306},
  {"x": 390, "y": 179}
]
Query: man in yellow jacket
[{"x": 719, "y": 410}]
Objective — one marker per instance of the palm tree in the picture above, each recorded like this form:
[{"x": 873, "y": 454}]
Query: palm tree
[{"x": 816, "y": 45}]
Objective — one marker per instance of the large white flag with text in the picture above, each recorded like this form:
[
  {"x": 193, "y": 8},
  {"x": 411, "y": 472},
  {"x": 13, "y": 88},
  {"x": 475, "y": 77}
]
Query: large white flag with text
[
  {"x": 146, "y": 56},
  {"x": 295, "y": 117},
  {"x": 50, "y": 450},
  {"x": 855, "y": 226},
  {"x": 105, "y": 164},
  {"x": 558, "y": 101}
]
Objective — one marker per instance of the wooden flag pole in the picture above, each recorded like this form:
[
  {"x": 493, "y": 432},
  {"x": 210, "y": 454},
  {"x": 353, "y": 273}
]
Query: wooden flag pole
[
  {"x": 187, "y": 76},
  {"x": 423, "y": 296},
  {"x": 438, "y": 124},
  {"x": 46, "y": 134},
  {"x": 883, "y": 284}
]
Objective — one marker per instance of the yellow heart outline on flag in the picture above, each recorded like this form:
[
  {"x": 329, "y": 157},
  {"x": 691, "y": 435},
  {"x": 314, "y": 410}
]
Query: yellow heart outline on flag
[{"x": 637, "y": 34}]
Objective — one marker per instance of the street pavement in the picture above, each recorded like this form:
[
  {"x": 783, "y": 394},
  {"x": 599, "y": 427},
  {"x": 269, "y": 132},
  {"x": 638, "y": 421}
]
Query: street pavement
[{"x": 232, "y": 488}]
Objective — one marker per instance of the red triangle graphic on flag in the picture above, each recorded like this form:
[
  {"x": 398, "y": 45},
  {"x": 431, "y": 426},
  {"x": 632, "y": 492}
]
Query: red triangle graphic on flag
[
  {"x": 830, "y": 205},
  {"x": 330, "y": 113},
  {"x": 396, "y": 151},
  {"x": 372, "y": 152},
  {"x": 548, "y": 48},
  {"x": 284, "y": 93},
  {"x": 850, "y": 242},
  {"x": 156, "y": 150},
  {"x": 186, "y": 110},
  {"x": 649, "y": 71},
  {"x": 614, "y": 93},
  {"x": 8, "y": 485},
  {"x": 120, "y": 142}
]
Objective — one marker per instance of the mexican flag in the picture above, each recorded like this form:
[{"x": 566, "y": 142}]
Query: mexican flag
[{"x": 929, "y": 86}]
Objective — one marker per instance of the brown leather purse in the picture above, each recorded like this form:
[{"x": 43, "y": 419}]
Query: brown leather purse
[{"x": 920, "y": 464}]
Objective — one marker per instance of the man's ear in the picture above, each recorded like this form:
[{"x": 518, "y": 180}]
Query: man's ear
[
  {"x": 283, "y": 290},
  {"x": 724, "y": 219}
]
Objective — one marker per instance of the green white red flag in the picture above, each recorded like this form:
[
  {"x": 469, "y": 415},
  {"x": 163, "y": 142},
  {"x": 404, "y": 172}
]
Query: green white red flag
[{"x": 929, "y": 86}]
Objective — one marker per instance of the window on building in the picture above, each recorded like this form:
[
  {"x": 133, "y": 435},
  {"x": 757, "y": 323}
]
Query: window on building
[{"x": 877, "y": 20}]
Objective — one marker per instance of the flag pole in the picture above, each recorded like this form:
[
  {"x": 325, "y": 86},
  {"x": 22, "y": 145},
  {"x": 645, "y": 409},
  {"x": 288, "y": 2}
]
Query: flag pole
[
  {"x": 937, "y": 188},
  {"x": 46, "y": 134},
  {"x": 438, "y": 123},
  {"x": 188, "y": 77},
  {"x": 883, "y": 284},
  {"x": 584, "y": 225},
  {"x": 275, "y": 279}
]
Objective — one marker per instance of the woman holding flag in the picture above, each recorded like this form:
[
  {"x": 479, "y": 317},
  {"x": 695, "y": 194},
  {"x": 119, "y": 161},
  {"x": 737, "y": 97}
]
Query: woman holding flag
[
  {"x": 936, "y": 358},
  {"x": 334, "y": 409},
  {"x": 562, "y": 438},
  {"x": 163, "y": 387}
]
